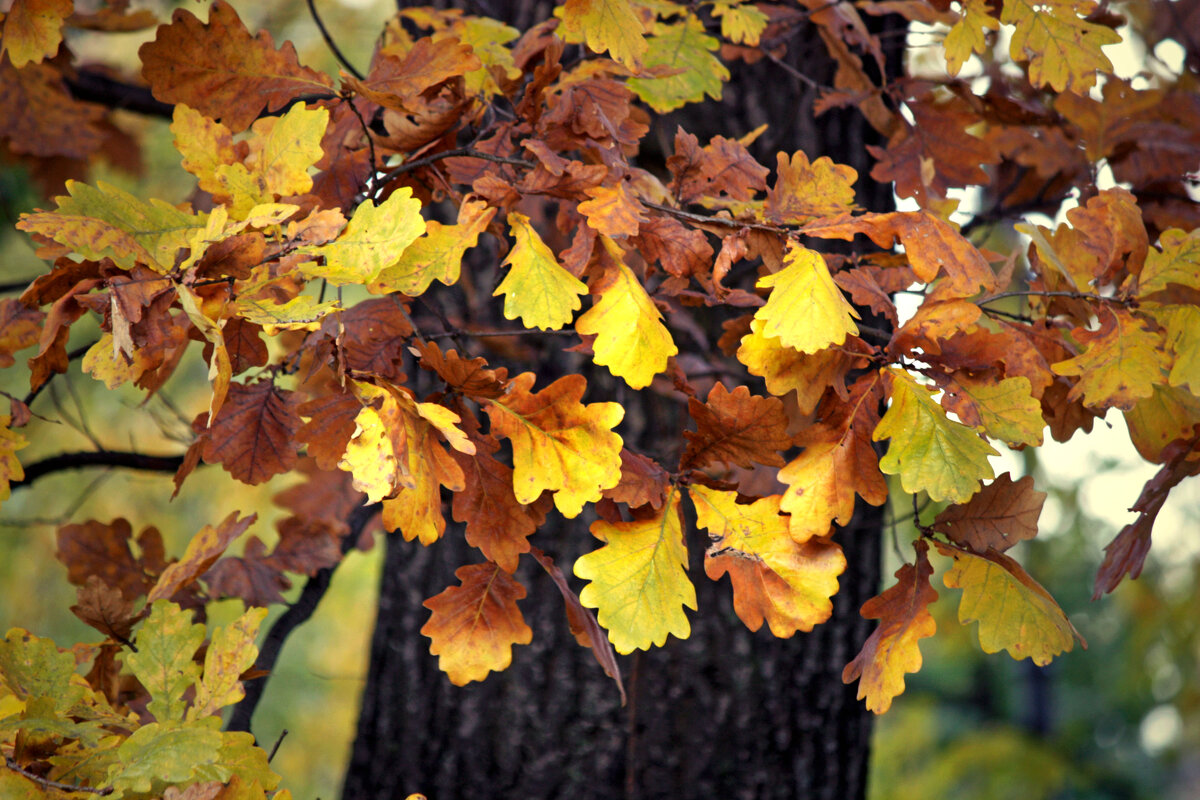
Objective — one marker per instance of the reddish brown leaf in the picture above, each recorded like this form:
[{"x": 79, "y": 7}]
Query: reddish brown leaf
[
  {"x": 326, "y": 495},
  {"x": 96, "y": 549},
  {"x": 722, "y": 167},
  {"x": 20, "y": 327},
  {"x": 306, "y": 545},
  {"x": 39, "y": 117},
  {"x": 254, "y": 433},
  {"x": 398, "y": 77},
  {"x": 371, "y": 336},
  {"x": 219, "y": 69},
  {"x": 582, "y": 622},
  {"x": 471, "y": 377},
  {"x": 681, "y": 251},
  {"x": 737, "y": 428},
  {"x": 329, "y": 427},
  {"x": 643, "y": 482},
  {"x": 244, "y": 344},
  {"x": 1001, "y": 514},
  {"x": 105, "y": 608},
  {"x": 248, "y": 577}
]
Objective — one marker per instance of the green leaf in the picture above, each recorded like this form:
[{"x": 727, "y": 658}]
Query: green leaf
[
  {"x": 537, "y": 289},
  {"x": 929, "y": 451},
  {"x": 166, "y": 643},
  {"x": 438, "y": 254},
  {"x": 106, "y": 222},
  {"x": 164, "y": 754},
  {"x": 374, "y": 238},
  {"x": 32, "y": 668},
  {"x": 244, "y": 759},
  {"x": 684, "y": 52}
]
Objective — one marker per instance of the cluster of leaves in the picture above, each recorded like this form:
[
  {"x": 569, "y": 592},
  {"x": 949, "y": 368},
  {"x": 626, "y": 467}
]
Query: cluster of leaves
[{"x": 530, "y": 141}]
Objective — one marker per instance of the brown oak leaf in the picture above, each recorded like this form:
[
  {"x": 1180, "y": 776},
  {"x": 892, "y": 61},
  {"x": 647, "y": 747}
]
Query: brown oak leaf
[
  {"x": 737, "y": 428},
  {"x": 1001, "y": 514},
  {"x": 254, "y": 434}
]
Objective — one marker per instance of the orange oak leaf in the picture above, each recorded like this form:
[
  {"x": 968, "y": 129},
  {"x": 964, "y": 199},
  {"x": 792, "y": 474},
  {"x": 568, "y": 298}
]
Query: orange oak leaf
[
  {"x": 218, "y": 68},
  {"x": 20, "y": 327},
  {"x": 468, "y": 376},
  {"x": 681, "y": 251},
  {"x": 1003, "y": 513},
  {"x": 722, "y": 167},
  {"x": 329, "y": 428},
  {"x": 775, "y": 578},
  {"x": 399, "y": 76},
  {"x": 785, "y": 369},
  {"x": 559, "y": 444},
  {"x": 737, "y": 428},
  {"x": 893, "y": 648},
  {"x": 253, "y": 436},
  {"x": 804, "y": 191},
  {"x": 583, "y": 623},
  {"x": 613, "y": 210},
  {"x": 933, "y": 247},
  {"x": 838, "y": 462},
  {"x": 643, "y": 482},
  {"x": 473, "y": 626},
  {"x": 10, "y": 465},
  {"x": 202, "y": 552},
  {"x": 495, "y": 522}
]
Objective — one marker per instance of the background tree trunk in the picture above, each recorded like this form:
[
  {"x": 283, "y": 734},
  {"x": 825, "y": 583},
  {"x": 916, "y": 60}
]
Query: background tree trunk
[{"x": 725, "y": 713}]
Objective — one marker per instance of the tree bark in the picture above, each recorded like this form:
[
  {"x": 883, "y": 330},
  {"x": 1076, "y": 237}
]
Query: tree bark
[{"x": 724, "y": 713}]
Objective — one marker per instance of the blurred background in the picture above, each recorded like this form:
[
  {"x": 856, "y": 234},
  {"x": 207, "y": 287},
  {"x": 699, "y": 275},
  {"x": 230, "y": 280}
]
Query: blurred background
[{"x": 1120, "y": 720}]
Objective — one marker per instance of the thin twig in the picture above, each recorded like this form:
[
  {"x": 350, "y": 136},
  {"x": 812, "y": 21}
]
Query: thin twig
[
  {"x": 458, "y": 152},
  {"x": 278, "y": 742},
  {"x": 337, "y": 53},
  {"x": 66, "y": 787},
  {"x": 704, "y": 219},
  {"x": 1071, "y": 294},
  {"x": 515, "y": 332}
]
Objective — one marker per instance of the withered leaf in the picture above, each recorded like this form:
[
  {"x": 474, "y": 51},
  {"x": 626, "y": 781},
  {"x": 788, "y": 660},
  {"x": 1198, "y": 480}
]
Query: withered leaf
[
  {"x": 737, "y": 428},
  {"x": 254, "y": 434},
  {"x": 1002, "y": 513},
  {"x": 105, "y": 608}
]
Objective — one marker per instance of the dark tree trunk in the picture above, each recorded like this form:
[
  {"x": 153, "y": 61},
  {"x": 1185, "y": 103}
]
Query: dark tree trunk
[{"x": 725, "y": 713}]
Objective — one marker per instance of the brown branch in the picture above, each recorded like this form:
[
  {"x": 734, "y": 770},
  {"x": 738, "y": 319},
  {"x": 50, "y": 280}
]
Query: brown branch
[
  {"x": 97, "y": 458},
  {"x": 458, "y": 152},
  {"x": 337, "y": 53},
  {"x": 49, "y": 784},
  {"x": 1071, "y": 294},
  {"x": 296, "y": 615},
  {"x": 724, "y": 222},
  {"x": 94, "y": 87}
]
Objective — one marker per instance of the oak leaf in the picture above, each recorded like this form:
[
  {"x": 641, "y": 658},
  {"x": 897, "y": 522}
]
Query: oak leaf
[
  {"x": 638, "y": 580},
  {"x": 893, "y": 648},
  {"x": 775, "y": 578},
  {"x": 1166, "y": 416},
  {"x": 253, "y": 435},
  {"x": 438, "y": 254},
  {"x": 929, "y": 451},
  {"x": 785, "y": 369},
  {"x": 398, "y": 77},
  {"x": 537, "y": 289},
  {"x": 1176, "y": 260},
  {"x": 249, "y": 577},
  {"x": 469, "y": 376},
  {"x": 39, "y": 117},
  {"x": 1122, "y": 362},
  {"x": 968, "y": 35},
  {"x": 218, "y": 68},
  {"x": 20, "y": 327},
  {"x": 1006, "y": 408},
  {"x": 202, "y": 551},
  {"x": 685, "y": 51},
  {"x": 330, "y": 426},
  {"x": 473, "y": 627},
  {"x": 1013, "y": 611},
  {"x": 643, "y": 481},
  {"x": 1062, "y": 49},
  {"x": 106, "y": 609},
  {"x": 805, "y": 190},
  {"x": 722, "y": 167},
  {"x": 103, "y": 550},
  {"x": 10, "y": 466},
  {"x": 741, "y": 23},
  {"x": 163, "y": 662},
  {"x": 631, "y": 339},
  {"x": 611, "y": 26},
  {"x": 374, "y": 238},
  {"x": 806, "y": 310},
  {"x": 737, "y": 428},
  {"x": 613, "y": 210},
  {"x": 230, "y": 652},
  {"x": 559, "y": 444},
  {"x": 999, "y": 516},
  {"x": 33, "y": 30}
]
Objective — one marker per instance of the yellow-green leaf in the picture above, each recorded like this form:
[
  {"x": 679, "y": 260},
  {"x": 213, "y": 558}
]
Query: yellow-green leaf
[
  {"x": 610, "y": 26},
  {"x": 299, "y": 313},
  {"x": 1123, "y": 361},
  {"x": 374, "y": 238},
  {"x": 1006, "y": 408},
  {"x": 1177, "y": 262},
  {"x": 1063, "y": 50},
  {"x": 787, "y": 583},
  {"x": 230, "y": 653},
  {"x": 1013, "y": 611},
  {"x": 166, "y": 642},
  {"x": 33, "y": 30},
  {"x": 281, "y": 152},
  {"x": 929, "y": 451},
  {"x": 638, "y": 580},
  {"x": 969, "y": 34},
  {"x": 537, "y": 289},
  {"x": 436, "y": 255},
  {"x": 10, "y": 466},
  {"x": 631, "y": 339},
  {"x": 686, "y": 53},
  {"x": 741, "y": 22},
  {"x": 806, "y": 310},
  {"x": 167, "y": 753}
]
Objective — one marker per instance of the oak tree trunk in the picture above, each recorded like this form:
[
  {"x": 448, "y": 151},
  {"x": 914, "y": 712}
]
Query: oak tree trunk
[{"x": 726, "y": 713}]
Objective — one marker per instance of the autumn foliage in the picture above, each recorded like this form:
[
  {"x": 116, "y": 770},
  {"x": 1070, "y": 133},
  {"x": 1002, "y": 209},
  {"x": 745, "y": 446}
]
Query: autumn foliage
[{"x": 439, "y": 290}]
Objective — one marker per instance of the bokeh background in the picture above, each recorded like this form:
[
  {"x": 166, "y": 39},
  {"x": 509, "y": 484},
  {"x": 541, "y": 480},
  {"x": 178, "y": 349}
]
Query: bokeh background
[{"x": 1120, "y": 720}]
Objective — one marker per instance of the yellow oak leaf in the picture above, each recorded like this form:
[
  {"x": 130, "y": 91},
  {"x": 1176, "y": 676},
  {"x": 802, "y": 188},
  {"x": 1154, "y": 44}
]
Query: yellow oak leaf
[
  {"x": 299, "y": 313},
  {"x": 638, "y": 580},
  {"x": 104, "y": 363},
  {"x": 785, "y": 369},
  {"x": 804, "y": 191},
  {"x": 559, "y": 444},
  {"x": 741, "y": 23},
  {"x": 10, "y": 466},
  {"x": 610, "y": 26},
  {"x": 613, "y": 210},
  {"x": 631, "y": 339},
  {"x": 787, "y": 583},
  {"x": 375, "y": 454},
  {"x": 1123, "y": 361},
  {"x": 1063, "y": 50},
  {"x": 1177, "y": 262},
  {"x": 1013, "y": 611},
  {"x": 374, "y": 238},
  {"x": 33, "y": 30},
  {"x": 929, "y": 451},
  {"x": 806, "y": 310},
  {"x": 1183, "y": 341},
  {"x": 220, "y": 367},
  {"x": 1006, "y": 409},
  {"x": 893, "y": 648},
  {"x": 231, "y": 652},
  {"x": 436, "y": 255},
  {"x": 969, "y": 34},
  {"x": 106, "y": 222},
  {"x": 202, "y": 551},
  {"x": 1156, "y": 421},
  {"x": 487, "y": 38},
  {"x": 473, "y": 627},
  {"x": 687, "y": 54},
  {"x": 281, "y": 151},
  {"x": 537, "y": 289}
]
